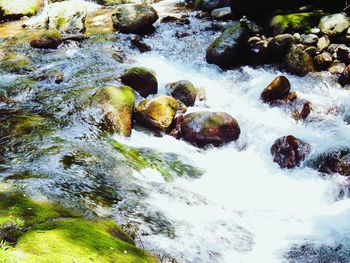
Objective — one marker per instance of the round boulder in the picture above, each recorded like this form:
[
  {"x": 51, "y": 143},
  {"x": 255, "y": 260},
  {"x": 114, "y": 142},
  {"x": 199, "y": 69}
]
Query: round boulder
[
  {"x": 184, "y": 91},
  {"x": 203, "y": 128},
  {"x": 298, "y": 61},
  {"x": 48, "y": 39},
  {"x": 134, "y": 18},
  {"x": 157, "y": 113},
  {"x": 279, "y": 88},
  {"x": 289, "y": 151},
  {"x": 141, "y": 79},
  {"x": 117, "y": 103}
]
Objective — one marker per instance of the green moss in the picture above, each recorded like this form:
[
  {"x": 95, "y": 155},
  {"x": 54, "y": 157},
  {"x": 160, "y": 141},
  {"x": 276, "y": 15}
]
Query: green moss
[
  {"x": 168, "y": 165},
  {"x": 141, "y": 72},
  {"x": 15, "y": 63},
  {"x": 292, "y": 23},
  {"x": 50, "y": 233}
]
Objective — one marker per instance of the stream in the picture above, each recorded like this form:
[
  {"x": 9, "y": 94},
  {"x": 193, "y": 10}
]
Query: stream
[{"x": 226, "y": 204}]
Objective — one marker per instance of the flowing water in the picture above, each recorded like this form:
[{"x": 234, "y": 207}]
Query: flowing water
[{"x": 226, "y": 204}]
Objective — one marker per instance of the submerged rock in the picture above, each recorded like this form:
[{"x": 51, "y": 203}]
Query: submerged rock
[
  {"x": 289, "y": 151},
  {"x": 279, "y": 88},
  {"x": 141, "y": 79},
  {"x": 184, "y": 91},
  {"x": 157, "y": 113},
  {"x": 47, "y": 39},
  {"x": 134, "y": 18},
  {"x": 117, "y": 104},
  {"x": 334, "y": 24},
  {"x": 298, "y": 61},
  {"x": 203, "y": 128},
  {"x": 14, "y": 9}
]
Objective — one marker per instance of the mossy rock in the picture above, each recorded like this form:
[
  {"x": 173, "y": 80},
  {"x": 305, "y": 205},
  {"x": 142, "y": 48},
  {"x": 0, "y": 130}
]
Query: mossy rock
[
  {"x": 118, "y": 103},
  {"x": 134, "y": 18},
  {"x": 48, "y": 39},
  {"x": 184, "y": 91},
  {"x": 227, "y": 50},
  {"x": 298, "y": 62},
  {"x": 157, "y": 113},
  {"x": 141, "y": 79},
  {"x": 293, "y": 23},
  {"x": 50, "y": 233},
  {"x": 14, "y": 9},
  {"x": 16, "y": 63},
  {"x": 114, "y": 2}
]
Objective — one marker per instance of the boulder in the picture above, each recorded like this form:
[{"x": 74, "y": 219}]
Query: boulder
[
  {"x": 15, "y": 9},
  {"x": 157, "y": 113},
  {"x": 48, "y": 39},
  {"x": 279, "y": 88},
  {"x": 334, "y": 162},
  {"x": 336, "y": 68},
  {"x": 184, "y": 91},
  {"x": 117, "y": 104},
  {"x": 223, "y": 13},
  {"x": 292, "y": 23},
  {"x": 134, "y": 18},
  {"x": 228, "y": 49},
  {"x": 67, "y": 17},
  {"x": 141, "y": 79},
  {"x": 298, "y": 61},
  {"x": 334, "y": 24},
  {"x": 203, "y": 128},
  {"x": 289, "y": 152},
  {"x": 278, "y": 46}
]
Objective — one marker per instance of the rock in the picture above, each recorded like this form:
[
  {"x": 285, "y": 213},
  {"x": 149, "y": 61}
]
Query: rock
[
  {"x": 323, "y": 43},
  {"x": 134, "y": 18},
  {"x": 172, "y": 19},
  {"x": 203, "y": 128},
  {"x": 344, "y": 78},
  {"x": 312, "y": 51},
  {"x": 117, "y": 103},
  {"x": 291, "y": 23},
  {"x": 184, "y": 91},
  {"x": 323, "y": 60},
  {"x": 157, "y": 113},
  {"x": 141, "y": 79},
  {"x": 227, "y": 50},
  {"x": 309, "y": 39},
  {"x": 15, "y": 9},
  {"x": 334, "y": 162},
  {"x": 48, "y": 39},
  {"x": 223, "y": 13},
  {"x": 279, "y": 88},
  {"x": 15, "y": 62},
  {"x": 289, "y": 151},
  {"x": 67, "y": 17},
  {"x": 343, "y": 53},
  {"x": 257, "y": 51},
  {"x": 337, "y": 67},
  {"x": 334, "y": 24},
  {"x": 138, "y": 42},
  {"x": 279, "y": 45},
  {"x": 298, "y": 62},
  {"x": 300, "y": 108}
]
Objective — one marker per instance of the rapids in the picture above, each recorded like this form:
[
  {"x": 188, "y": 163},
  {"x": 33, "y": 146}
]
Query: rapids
[{"x": 226, "y": 204}]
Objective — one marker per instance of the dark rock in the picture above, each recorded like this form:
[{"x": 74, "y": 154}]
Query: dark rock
[
  {"x": 203, "y": 128},
  {"x": 289, "y": 151},
  {"x": 142, "y": 80},
  {"x": 344, "y": 78},
  {"x": 228, "y": 49},
  {"x": 279, "y": 46},
  {"x": 312, "y": 51},
  {"x": 343, "y": 54},
  {"x": 257, "y": 51},
  {"x": 298, "y": 62},
  {"x": 134, "y": 18},
  {"x": 138, "y": 42},
  {"x": 334, "y": 162},
  {"x": 173, "y": 19},
  {"x": 279, "y": 88}
]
